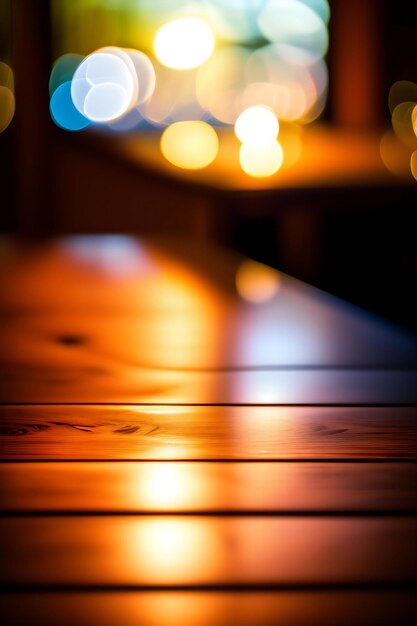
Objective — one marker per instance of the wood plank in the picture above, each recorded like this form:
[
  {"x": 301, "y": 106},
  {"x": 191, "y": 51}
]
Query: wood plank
[
  {"x": 206, "y": 432},
  {"x": 85, "y": 383},
  {"x": 175, "y": 550},
  {"x": 106, "y": 289},
  {"x": 200, "y": 487},
  {"x": 114, "y": 319},
  {"x": 299, "y": 608}
]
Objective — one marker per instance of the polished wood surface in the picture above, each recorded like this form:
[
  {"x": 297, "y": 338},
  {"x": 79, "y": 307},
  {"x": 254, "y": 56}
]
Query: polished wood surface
[
  {"x": 104, "y": 432},
  {"x": 201, "y": 487},
  {"x": 176, "y": 451},
  {"x": 205, "y": 608},
  {"x": 93, "y": 319},
  {"x": 207, "y": 551}
]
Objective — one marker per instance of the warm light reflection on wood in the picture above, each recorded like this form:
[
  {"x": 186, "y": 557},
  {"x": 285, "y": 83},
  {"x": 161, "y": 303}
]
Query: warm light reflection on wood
[
  {"x": 110, "y": 319},
  {"x": 172, "y": 610},
  {"x": 142, "y": 356},
  {"x": 207, "y": 432},
  {"x": 206, "y": 487},
  {"x": 223, "y": 608},
  {"x": 206, "y": 550},
  {"x": 168, "y": 486},
  {"x": 171, "y": 550}
]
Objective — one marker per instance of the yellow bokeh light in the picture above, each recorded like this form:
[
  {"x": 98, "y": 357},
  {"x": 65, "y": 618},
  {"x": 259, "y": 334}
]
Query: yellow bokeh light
[
  {"x": 403, "y": 124},
  {"x": 221, "y": 81},
  {"x": 291, "y": 101},
  {"x": 7, "y": 99},
  {"x": 256, "y": 282},
  {"x": 413, "y": 164},
  {"x": 184, "y": 43},
  {"x": 191, "y": 145},
  {"x": 402, "y": 91},
  {"x": 261, "y": 161},
  {"x": 7, "y": 107},
  {"x": 414, "y": 119},
  {"x": 174, "y": 98},
  {"x": 395, "y": 155},
  {"x": 6, "y": 76},
  {"x": 257, "y": 126},
  {"x": 259, "y": 93},
  {"x": 299, "y": 90}
]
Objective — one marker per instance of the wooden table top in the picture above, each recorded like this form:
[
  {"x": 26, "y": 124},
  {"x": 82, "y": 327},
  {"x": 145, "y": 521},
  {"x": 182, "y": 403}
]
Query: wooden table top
[{"x": 191, "y": 438}]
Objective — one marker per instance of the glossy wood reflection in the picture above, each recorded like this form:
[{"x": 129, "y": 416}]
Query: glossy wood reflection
[
  {"x": 196, "y": 608},
  {"x": 200, "y": 432},
  {"x": 173, "y": 451},
  {"x": 197, "y": 487},
  {"x": 115, "y": 319},
  {"x": 175, "y": 551}
]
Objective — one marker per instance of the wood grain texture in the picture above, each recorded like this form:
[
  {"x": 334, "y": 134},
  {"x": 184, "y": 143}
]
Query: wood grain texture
[
  {"x": 196, "y": 608},
  {"x": 155, "y": 551},
  {"x": 198, "y": 487},
  {"x": 206, "y": 432}
]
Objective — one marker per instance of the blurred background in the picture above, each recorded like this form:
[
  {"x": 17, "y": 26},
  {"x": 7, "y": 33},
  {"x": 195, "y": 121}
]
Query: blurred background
[{"x": 283, "y": 129}]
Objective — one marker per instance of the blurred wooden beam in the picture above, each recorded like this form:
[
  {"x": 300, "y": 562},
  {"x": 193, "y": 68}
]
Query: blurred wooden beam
[
  {"x": 31, "y": 30},
  {"x": 356, "y": 81}
]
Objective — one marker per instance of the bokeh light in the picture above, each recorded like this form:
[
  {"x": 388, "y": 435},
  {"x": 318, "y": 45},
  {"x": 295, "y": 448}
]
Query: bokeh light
[
  {"x": 106, "y": 102},
  {"x": 6, "y": 76},
  {"x": 298, "y": 78},
  {"x": 402, "y": 124},
  {"x": 63, "y": 70},
  {"x": 402, "y": 91},
  {"x": 261, "y": 93},
  {"x": 7, "y": 99},
  {"x": 190, "y": 145},
  {"x": 321, "y": 7},
  {"x": 257, "y": 126},
  {"x": 236, "y": 20},
  {"x": 102, "y": 87},
  {"x": 261, "y": 161},
  {"x": 184, "y": 43},
  {"x": 7, "y": 107},
  {"x": 131, "y": 121},
  {"x": 145, "y": 74},
  {"x": 100, "y": 71},
  {"x": 221, "y": 82},
  {"x": 414, "y": 119},
  {"x": 294, "y": 23},
  {"x": 256, "y": 282},
  {"x": 394, "y": 154},
  {"x": 257, "y": 65},
  {"x": 63, "y": 111},
  {"x": 174, "y": 99},
  {"x": 398, "y": 146},
  {"x": 413, "y": 164}
]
